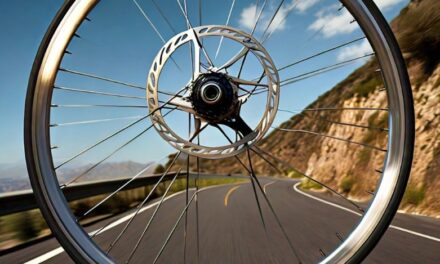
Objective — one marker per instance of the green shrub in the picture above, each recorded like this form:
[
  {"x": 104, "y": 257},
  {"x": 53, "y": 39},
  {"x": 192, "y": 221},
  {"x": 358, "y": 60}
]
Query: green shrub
[
  {"x": 24, "y": 226},
  {"x": 346, "y": 184},
  {"x": 370, "y": 136},
  {"x": 413, "y": 195},
  {"x": 365, "y": 87},
  {"x": 294, "y": 174},
  {"x": 308, "y": 184},
  {"x": 378, "y": 120},
  {"x": 159, "y": 169},
  {"x": 364, "y": 156}
]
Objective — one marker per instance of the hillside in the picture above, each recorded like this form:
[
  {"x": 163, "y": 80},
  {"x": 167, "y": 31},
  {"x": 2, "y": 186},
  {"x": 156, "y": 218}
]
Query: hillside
[{"x": 353, "y": 169}]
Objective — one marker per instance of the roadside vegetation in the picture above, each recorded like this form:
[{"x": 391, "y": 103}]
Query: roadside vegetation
[
  {"x": 19, "y": 228},
  {"x": 307, "y": 184},
  {"x": 414, "y": 195}
]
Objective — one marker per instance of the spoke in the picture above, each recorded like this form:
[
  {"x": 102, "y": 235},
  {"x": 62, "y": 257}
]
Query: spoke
[
  {"x": 252, "y": 33},
  {"x": 313, "y": 73},
  {"x": 152, "y": 217},
  {"x": 162, "y": 14},
  {"x": 246, "y": 82},
  {"x": 139, "y": 207},
  {"x": 256, "y": 198},
  {"x": 100, "y": 141},
  {"x": 320, "y": 53},
  {"x": 174, "y": 229},
  {"x": 200, "y": 14},
  {"x": 286, "y": 81},
  {"x": 111, "y": 154},
  {"x": 287, "y": 165},
  {"x": 289, "y": 11},
  {"x": 272, "y": 19},
  {"x": 271, "y": 207},
  {"x": 227, "y": 23},
  {"x": 117, "y": 190},
  {"x": 258, "y": 17},
  {"x": 195, "y": 61},
  {"x": 185, "y": 232},
  {"x": 197, "y": 203},
  {"x": 305, "y": 77},
  {"x": 234, "y": 59},
  {"x": 96, "y": 105},
  {"x": 196, "y": 37},
  {"x": 267, "y": 161},
  {"x": 117, "y": 132},
  {"x": 320, "y": 109},
  {"x": 98, "y": 93},
  {"x": 329, "y": 136},
  {"x": 93, "y": 121},
  {"x": 334, "y": 122},
  {"x": 244, "y": 98},
  {"x": 102, "y": 78},
  {"x": 239, "y": 125},
  {"x": 182, "y": 104},
  {"x": 154, "y": 28},
  {"x": 251, "y": 172}
]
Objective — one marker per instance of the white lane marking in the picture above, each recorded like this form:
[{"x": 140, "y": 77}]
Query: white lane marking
[
  {"x": 60, "y": 250},
  {"x": 46, "y": 256},
  {"x": 295, "y": 187},
  {"x": 267, "y": 184}
]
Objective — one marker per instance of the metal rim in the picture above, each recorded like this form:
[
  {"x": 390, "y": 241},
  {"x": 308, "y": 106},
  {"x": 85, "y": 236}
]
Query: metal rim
[{"x": 356, "y": 246}]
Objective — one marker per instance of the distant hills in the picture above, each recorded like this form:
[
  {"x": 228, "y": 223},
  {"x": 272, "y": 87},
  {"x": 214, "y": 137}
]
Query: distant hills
[{"x": 15, "y": 177}]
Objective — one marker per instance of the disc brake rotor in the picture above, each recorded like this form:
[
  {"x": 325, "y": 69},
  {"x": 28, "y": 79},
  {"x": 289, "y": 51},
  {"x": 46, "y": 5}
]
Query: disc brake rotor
[{"x": 212, "y": 96}]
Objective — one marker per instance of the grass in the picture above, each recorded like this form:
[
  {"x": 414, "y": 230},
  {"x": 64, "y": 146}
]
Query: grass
[
  {"x": 307, "y": 184},
  {"x": 364, "y": 156},
  {"x": 293, "y": 174},
  {"x": 346, "y": 184},
  {"x": 413, "y": 195},
  {"x": 367, "y": 86},
  {"x": 25, "y": 226}
]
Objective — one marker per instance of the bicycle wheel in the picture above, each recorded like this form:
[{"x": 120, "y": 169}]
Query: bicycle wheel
[{"x": 219, "y": 110}]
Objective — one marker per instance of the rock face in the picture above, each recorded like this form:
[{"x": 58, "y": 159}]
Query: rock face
[{"x": 355, "y": 169}]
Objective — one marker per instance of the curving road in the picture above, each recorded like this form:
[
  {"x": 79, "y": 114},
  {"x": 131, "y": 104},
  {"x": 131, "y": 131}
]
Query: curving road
[{"x": 231, "y": 230}]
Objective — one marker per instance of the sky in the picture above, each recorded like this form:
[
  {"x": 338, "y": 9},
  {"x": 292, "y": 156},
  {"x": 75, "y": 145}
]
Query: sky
[{"x": 119, "y": 43}]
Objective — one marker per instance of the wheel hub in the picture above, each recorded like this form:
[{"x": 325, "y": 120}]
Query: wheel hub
[{"x": 214, "y": 98}]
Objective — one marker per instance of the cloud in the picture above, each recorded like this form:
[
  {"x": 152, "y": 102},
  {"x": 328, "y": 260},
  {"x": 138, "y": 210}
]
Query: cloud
[
  {"x": 249, "y": 15},
  {"x": 355, "y": 51},
  {"x": 331, "y": 22},
  {"x": 384, "y": 4},
  {"x": 302, "y": 5}
]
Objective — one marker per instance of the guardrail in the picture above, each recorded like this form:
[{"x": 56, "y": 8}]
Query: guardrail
[{"x": 24, "y": 200}]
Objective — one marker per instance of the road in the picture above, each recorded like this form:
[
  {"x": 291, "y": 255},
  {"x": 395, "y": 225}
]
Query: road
[{"x": 231, "y": 231}]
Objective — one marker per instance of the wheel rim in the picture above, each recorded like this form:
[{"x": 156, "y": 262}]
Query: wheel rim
[{"x": 394, "y": 172}]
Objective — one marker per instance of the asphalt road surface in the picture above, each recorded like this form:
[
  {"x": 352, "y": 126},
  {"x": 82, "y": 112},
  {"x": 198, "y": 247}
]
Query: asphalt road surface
[{"x": 231, "y": 231}]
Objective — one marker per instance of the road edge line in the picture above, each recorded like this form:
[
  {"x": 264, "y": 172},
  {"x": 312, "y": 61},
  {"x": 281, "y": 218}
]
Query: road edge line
[
  {"x": 59, "y": 250},
  {"x": 295, "y": 188}
]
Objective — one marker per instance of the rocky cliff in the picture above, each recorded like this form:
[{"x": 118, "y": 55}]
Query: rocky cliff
[{"x": 354, "y": 169}]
